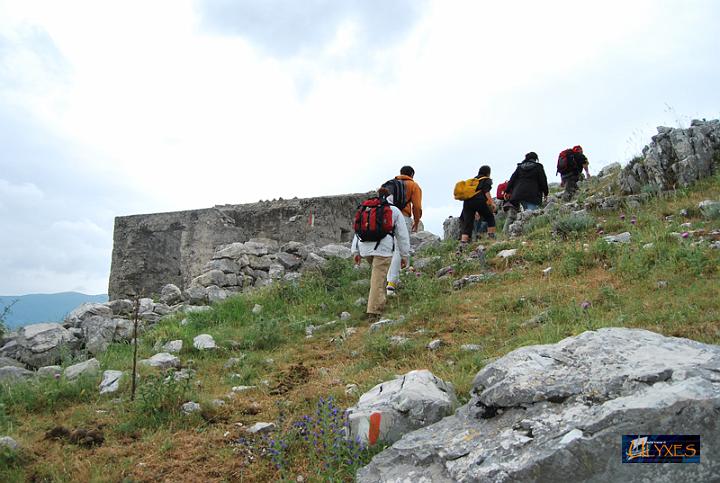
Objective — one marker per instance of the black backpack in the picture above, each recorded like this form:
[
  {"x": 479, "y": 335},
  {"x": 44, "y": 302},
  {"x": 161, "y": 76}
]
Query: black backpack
[{"x": 396, "y": 188}]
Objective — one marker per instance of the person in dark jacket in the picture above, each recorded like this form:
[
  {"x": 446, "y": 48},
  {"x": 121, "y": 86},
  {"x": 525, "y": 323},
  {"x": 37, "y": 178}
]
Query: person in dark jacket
[
  {"x": 527, "y": 188},
  {"x": 483, "y": 204}
]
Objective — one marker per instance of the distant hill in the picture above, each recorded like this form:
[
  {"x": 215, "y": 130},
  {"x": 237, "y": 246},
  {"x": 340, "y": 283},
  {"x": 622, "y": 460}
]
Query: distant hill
[{"x": 34, "y": 308}]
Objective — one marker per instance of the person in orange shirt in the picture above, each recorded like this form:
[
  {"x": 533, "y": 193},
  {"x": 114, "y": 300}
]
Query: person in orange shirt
[{"x": 412, "y": 212}]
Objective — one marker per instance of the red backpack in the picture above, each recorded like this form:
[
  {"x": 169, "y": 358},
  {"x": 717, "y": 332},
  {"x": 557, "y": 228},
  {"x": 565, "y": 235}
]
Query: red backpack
[
  {"x": 501, "y": 190},
  {"x": 566, "y": 161},
  {"x": 373, "y": 220}
]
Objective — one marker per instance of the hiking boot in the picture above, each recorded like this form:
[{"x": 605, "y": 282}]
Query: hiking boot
[{"x": 390, "y": 290}]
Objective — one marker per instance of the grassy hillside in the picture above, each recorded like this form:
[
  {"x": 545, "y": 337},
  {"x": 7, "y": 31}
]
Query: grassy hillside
[
  {"x": 35, "y": 308},
  {"x": 671, "y": 286}
]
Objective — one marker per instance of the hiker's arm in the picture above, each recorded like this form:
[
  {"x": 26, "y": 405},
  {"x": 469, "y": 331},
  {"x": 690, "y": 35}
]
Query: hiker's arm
[
  {"x": 416, "y": 200},
  {"x": 490, "y": 200},
  {"x": 543, "y": 184}
]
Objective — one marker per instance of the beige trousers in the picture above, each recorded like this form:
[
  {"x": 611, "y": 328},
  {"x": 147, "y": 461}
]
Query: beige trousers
[{"x": 376, "y": 297}]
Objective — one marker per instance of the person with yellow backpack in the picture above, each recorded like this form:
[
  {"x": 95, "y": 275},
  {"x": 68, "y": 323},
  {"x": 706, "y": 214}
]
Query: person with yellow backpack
[{"x": 476, "y": 198}]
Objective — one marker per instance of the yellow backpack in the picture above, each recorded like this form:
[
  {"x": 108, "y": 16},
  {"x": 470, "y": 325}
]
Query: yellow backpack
[{"x": 467, "y": 188}]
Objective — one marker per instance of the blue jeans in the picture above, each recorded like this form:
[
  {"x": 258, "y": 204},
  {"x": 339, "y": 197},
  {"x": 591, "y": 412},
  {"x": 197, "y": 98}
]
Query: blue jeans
[{"x": 527, "y": 206}]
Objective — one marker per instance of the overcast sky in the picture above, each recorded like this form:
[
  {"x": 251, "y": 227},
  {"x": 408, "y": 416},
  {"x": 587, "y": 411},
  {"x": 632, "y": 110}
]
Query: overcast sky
[{"x": 118, "y": 108}]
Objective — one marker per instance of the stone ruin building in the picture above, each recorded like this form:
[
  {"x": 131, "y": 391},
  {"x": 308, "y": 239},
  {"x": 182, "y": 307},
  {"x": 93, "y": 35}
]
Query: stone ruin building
[{"x": 152, "y": 250}]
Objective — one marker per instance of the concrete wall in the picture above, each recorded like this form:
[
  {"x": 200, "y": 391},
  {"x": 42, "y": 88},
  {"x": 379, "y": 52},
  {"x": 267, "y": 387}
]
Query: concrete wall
[{"x": 152, "y": 250}]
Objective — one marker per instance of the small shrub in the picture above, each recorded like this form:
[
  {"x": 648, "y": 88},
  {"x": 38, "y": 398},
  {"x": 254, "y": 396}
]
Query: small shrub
[
  {"x": 159, "y": 400},
  {"x": 572, "y": 225},
  {"x": 651, "y": 189},
  {"x": 576, "y": 261},
  {"x": 11, "y": 462},
  {"x": 4, "y": 312},
  {"x": 263, "y": 335},
  {"x": 319, "y": 443},
  {"x": 542, "y": 252},
  {"x": 6, "y": 420},
  {"x": 537, "y": 223}
]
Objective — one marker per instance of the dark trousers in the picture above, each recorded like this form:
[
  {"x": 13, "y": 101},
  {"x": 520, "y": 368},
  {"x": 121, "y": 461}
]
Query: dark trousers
[
  {"x": 570, "y": 182},
  {"x": 472, "y": 206}
]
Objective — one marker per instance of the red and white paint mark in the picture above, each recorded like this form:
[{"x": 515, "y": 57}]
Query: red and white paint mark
[{"x": 374, "y": 431}]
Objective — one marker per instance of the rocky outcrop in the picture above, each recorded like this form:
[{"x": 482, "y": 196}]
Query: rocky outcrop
[
  {"x": 150, "y": 251},
  {"x": 42, "y": 344},
  {"x": 557, "y": 412},
  {"x": 401, "y": 405},
  {"x": 451, "y": 228},
  {"x": 675, "y": 158}
]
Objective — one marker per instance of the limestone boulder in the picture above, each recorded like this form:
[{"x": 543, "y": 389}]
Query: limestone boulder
[
  {"x": 110, "y": 382},
  {"x": 43, "y": 344},
  {"x": 288, "y": 260},
  {"x": 163, "y": 360},
  {"x": 412, "y": 401},
  {"x": 313, "y": 262},
  {"x": 122, "y": 307},
  {"x": 451, "y": 228},
  {"x": 170, "y": 294},
  {"x": 259, "y": 248},
  {"x": 7, "y": 361},
  {"x": 225, "y": 265},
  {"x": 10, "y": 374},
  {"x": 268, "y": 244},
  {"x": 204, "y": 342},
  {"x": 423, "y": 239},
  {"x": 173, "y": 346},
  {"x": 99, "y": 332},
  {"x": 216, "y": 294},
  {"x": 557, "y": 412},
  {"x": 232, "y": 251},
  {"x": 7, "y": 443},
  {"x": 49, "y": 371},
  {"x": 146, "y": 305},
  {"x": 212, "y": 277},
  {"x": 85, "y": 311},
  {"x": 296, "y": 248},
  {"x": 612, "y": 168},
  {"x": 10, "y": 350},
  {"x": 334, "y": 250},
  {"x": 259, "y": 262},
  {"x": 88, "y": 368},
  {"x": 196, "y": 295},
  {"x": 292, "y": 277}
]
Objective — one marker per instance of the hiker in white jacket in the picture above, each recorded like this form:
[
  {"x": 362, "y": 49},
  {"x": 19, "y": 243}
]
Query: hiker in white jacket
[{"x": 379, "y": 254}]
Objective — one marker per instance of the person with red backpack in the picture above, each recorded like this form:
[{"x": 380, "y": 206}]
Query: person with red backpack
[
  {"x": 570, "y": 165},
  {"x": 379, "y": 226}
]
